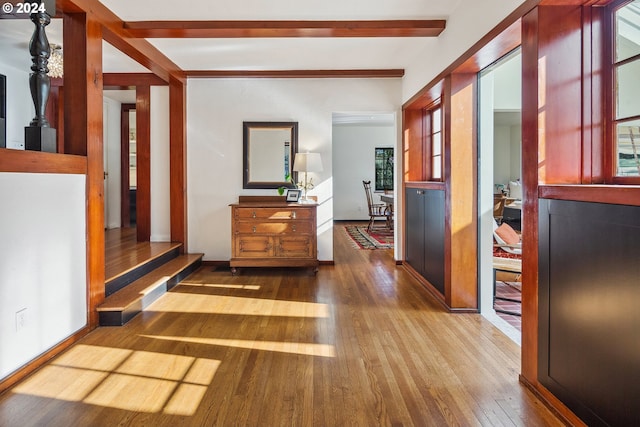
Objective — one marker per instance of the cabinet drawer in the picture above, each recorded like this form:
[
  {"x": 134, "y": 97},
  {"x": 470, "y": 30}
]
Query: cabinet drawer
[
  {"x": 273, "y": 213},
  {"x": 294, "y": 246},
  {"x": 248, "y": 246},
  {"x": 272, "y": 227}
]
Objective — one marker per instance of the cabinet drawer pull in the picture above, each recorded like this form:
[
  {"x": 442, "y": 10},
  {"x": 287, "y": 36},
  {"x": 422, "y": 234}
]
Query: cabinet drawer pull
[
  {"x": 293, "y": 214},
  {"x": 419, "y": 191},
  {"x": 294, "y": 227},
  {"x": 253, "y": 214},
  {"x": 254, "y": 228}
]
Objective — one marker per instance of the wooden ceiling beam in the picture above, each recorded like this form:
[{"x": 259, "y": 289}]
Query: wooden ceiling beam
[
  {"x": 295, "y": 74},
  {"x": 113, "y": 32},
  {"x": 131, "y": 80},
  {"x": 237, "y": 29}
]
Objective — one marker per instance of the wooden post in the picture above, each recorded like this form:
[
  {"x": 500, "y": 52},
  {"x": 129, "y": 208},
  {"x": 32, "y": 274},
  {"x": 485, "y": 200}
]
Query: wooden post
[{"x": 83, "y": 136}]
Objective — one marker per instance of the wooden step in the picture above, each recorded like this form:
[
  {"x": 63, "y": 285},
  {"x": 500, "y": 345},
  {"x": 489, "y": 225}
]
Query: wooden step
[
  {"x": 143, "y": 261},
  {"x": 123, "y": 305}
]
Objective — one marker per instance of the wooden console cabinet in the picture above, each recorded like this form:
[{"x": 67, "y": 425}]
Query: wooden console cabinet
[{"x": 268, "y": 232}]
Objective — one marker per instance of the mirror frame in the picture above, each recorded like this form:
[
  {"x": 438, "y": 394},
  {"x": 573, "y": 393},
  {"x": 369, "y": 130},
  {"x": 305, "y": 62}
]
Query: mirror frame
[{"x": 246, "y": 143}]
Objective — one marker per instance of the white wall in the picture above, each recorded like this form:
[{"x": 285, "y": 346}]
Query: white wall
[
  {"x": 508, "y": 89},
  {"x": 42, "y": 263},
  {"x": 464, "y": 28},
  {"x": 160, "y": 198},
  {"x": 216, "y": 109},
  {"x": 354, "y": 161},
  {"x": 112, "y": 120},
  {"x": 20, "y": 109},
  {"x": 507, "y": 148}
]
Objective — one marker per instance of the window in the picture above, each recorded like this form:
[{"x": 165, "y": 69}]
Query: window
[
  {"x": 433, "y": 122},
  {"x": 625, "y": 69},
  {"x": 384, "y": 169}
]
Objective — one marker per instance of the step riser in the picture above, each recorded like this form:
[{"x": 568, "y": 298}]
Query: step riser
[
  {"x": 183, "y": 274},
  {"x": 120, "y": 282},
  {"x": 121, "y": 317}
]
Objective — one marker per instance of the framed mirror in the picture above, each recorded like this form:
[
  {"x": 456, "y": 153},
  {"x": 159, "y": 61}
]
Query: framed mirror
[{"x": 269, "y": 149}]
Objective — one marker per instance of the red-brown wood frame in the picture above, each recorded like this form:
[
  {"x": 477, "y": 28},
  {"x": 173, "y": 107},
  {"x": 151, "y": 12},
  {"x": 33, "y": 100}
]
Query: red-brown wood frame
[
  {"x": 178, "y": 160},
  {"x": 461, "y": 181},
  {"x": 316, "y": 28},
  {"x": 608, "y": 59},
  {"x": 125, "y": 216},
  {"x": 297, "y": 74},
  {"x": 143, "y": 163}
]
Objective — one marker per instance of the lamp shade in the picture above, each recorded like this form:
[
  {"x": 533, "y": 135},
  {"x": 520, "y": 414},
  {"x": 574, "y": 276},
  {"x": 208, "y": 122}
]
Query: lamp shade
[{"x": 307, "y": 162}]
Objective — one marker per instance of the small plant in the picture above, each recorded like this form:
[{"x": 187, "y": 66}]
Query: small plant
[{"x": 281, "y": 189}]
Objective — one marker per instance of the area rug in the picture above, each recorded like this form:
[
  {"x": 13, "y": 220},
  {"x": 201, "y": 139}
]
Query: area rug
[
  {"x": 512, "y": 291},
  {"x": 378, "y": 238}
]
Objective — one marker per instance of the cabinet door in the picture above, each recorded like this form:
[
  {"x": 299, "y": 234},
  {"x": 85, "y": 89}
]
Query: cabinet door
[
  {"x": 294, "y": 247},
  {"x": 248, "y": 246},
  {"x": 434, "y": 238},
  {"x": 414, "y": 199}
]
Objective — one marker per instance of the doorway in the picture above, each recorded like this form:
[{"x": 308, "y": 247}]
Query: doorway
[
  {"x": 499, "y": 181},
  {"x": 364, "y": 148}
]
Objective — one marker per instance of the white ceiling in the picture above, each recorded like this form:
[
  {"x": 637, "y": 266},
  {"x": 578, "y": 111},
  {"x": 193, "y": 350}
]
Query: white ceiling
[{"x": 256, "y": 53}]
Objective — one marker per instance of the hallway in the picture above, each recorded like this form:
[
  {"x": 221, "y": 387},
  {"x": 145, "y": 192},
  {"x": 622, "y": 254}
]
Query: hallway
[{"x": 360, "y": 344}]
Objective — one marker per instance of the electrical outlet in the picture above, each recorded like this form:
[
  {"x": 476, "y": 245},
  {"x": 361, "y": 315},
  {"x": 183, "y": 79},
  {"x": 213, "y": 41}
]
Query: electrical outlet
[{"x": 21, "y": 319}]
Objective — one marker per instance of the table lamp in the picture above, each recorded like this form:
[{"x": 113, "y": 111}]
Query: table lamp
[{"x": 307, "y": 162}]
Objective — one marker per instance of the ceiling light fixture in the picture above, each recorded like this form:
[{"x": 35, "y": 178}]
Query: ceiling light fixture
[{"x": 56, "y": 64}]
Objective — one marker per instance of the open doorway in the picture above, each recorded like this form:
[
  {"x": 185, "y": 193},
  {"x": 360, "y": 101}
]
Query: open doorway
[
  {"x": 500, "y": 193},
  {"x": 364, "y": 148}
]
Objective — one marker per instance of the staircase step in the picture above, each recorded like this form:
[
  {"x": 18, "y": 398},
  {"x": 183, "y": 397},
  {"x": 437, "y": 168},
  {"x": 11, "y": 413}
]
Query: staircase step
[
  {"x": 158, "y": 254},
  {"x": 123, "y": 305}
]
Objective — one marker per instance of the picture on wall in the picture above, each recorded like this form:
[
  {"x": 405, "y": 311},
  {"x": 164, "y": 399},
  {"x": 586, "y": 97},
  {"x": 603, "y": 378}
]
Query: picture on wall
[{"x": 384, "y": 169}]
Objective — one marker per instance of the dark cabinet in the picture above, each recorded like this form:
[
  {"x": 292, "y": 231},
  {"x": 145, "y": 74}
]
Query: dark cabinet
[{"x": 424, "y": 250}]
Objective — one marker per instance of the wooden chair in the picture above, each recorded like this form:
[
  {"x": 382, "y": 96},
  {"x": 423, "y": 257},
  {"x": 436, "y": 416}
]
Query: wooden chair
[
  {"x": 498, "y": 207},
  {"x": 376, "y": 210}
]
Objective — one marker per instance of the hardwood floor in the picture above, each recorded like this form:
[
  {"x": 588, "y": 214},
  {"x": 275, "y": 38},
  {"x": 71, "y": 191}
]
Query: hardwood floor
[
  {"x": 123, "y": 252},
  {"x": 358, "y": 344}
]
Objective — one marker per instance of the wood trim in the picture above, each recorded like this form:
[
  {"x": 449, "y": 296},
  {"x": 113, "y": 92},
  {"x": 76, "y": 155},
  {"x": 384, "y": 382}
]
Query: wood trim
[
  {"x": 178, "y": 161},
  {"x": 499, "y": 46},
  {"x": 34, "y": 364},
  {"x": 41, "y": 162},
  {"x": 242, "y": 29},
  {"x": 530, "y": 131},
  {"x": 426, "y": 185},
  {"x": 83, "y": 111},
  {"x": 296, "y": 74},
  {"x": 426, "y": 97},
  {"x": 560, "y": 59},
  {"x": 514, "y": 16},
  {"x": 93, "y": 105},
  {"x": 143, "y": 163},
  {"x": 124, "y": 81},
  {"x": 125, "y": 216},
  {"x": 460, "y": 173},
  {"x": 611, "y": 194},
  {"x": 595, "y": 96},
  {"x": 75, "y": 100},
  {"x": 413, "y": 145},
  {"x": 435, "y": 293},
  {"x": 139, "y": 50},
  {"x": 553, "y": 403}
]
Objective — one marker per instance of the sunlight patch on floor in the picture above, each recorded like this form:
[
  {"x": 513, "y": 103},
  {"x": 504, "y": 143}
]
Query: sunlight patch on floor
[
  {"x": 141, "y": 381},
  {"x": 306, "y": 349},
  {"x": 222, "y": 285},
  {"x": 176, "y": 302}
]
